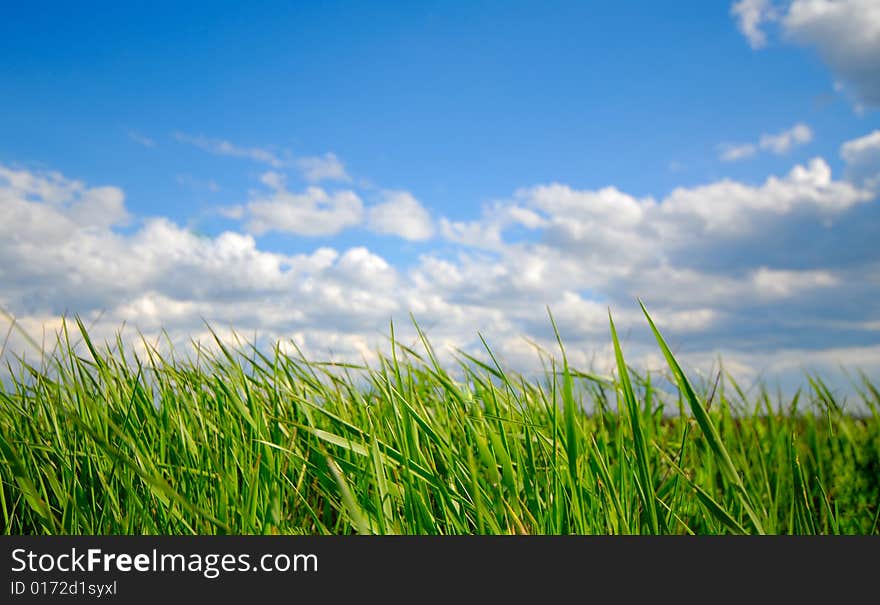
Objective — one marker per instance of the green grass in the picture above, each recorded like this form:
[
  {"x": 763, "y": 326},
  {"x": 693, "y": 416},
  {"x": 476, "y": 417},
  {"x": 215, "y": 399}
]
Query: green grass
[{"x": 99, "y": 440}]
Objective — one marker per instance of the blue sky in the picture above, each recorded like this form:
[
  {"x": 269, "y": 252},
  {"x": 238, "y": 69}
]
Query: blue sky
[{"x": 472, "y": 162}]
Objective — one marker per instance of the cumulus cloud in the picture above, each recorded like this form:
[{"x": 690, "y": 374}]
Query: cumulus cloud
[
  {"x": 713, "y": 262},
  {"x": 779, "y": 143},
  {"x": 313, "y": 212},
  {"x": 64, "y": 250},
  {"x": 845, "y": 33},
  {"x": 611, "y": 246},
  {"x": 477, "y": 234},
  {"x": 731, "y": 207},
  {"x": 402, "y": 215},
  {"x": 57, "y": 259},
  {"x": 66, "y": 202}
]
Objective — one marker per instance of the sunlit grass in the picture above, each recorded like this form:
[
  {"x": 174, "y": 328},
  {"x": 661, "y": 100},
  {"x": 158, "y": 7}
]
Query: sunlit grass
[{"x": 246, "y": 441}]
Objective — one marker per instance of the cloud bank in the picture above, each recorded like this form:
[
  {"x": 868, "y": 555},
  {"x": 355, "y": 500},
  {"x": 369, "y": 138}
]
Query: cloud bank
[{"x": 774, "y": 276}]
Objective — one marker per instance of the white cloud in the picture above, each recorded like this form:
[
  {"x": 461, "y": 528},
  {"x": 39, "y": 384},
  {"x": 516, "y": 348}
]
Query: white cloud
[
  {"x": 799, "y": 134},
  {"x": 402, "y": 215},
  {"x": 57, "y": 258},
  {"x": 846, "y": 34},
  {"x": 731, "y": 152},
  {"x": 750, "y": 16},
  {"x": 476, "y": 234},
  {"x": 360, "y": 266},
  {"x": 487, "y": 232},
  {"x": 99, "y": 208},
  {"x": 66, "y": 204},
  {"x": 273, "y": 180},
  {"x": 779, "y": 143},
  {"x": 223, "y": 147},
  {"x": 775, "y": 283},
  {"x": 854, "y": 150},
  {"x": 51, "y": 187},
  {"x": 862, "y": 156},
  {"x": 615, "y": 245},
  {"x": 580, "y": 252},
  {"x": 322, "y": 168},
  {"x": 314, "y": 212},
  {"x": 609, "y": 205},
  {"x": 732, "y": 207}
]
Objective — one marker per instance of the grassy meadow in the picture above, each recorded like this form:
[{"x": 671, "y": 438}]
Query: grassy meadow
[{"x": 247, "y": 441}]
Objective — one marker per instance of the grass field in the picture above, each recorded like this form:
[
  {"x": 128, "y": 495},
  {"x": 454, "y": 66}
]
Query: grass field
[{"x": 250, "y": 442}]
